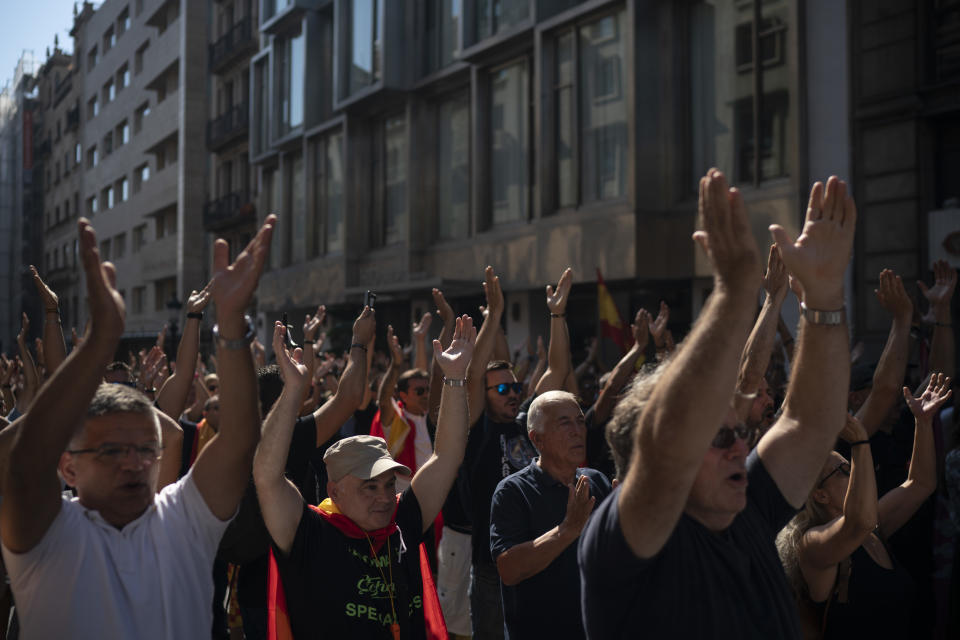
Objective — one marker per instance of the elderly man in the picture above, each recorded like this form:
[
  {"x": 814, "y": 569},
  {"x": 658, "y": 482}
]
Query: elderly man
[
  {"x": 684, "y": 547},
  {"x": 536, "y": 517},
  {"x": 121, "y": 561},
  {"x": 350, "y": 567}
]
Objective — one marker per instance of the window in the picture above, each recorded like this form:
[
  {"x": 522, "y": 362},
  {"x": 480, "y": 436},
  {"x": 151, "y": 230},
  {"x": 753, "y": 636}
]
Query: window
[
  {"x": 123, "y": 133},
  {"x": 273, "y": 7},
  {"x": 105, "y": 249},
  {"x": 66, "y": 209},
  {"x": 66, "y": 164},
  {"x": 78, "y": 151},
  {"x": 366, "y": 43},
  {"x": 442, "y": 33},
  {"x": 92, "y": 58},
  {"x": 109, "y": 92},
  {"x": 290, "y": 76},
  {"x": 139, "y": 238},
  {"x": 509, "y": 146},
  {"x": 139, "y": 56},
  {"x": 140, "y": 175},
  {"x": 296, "y": 196},
  {"x": 109, "y": 39},
  {"x": 123, "y": 189},
  {"x": 494, "y": 16},
  {"x": 453, "y": 168},
  {"x": 107, "y": 144},
  {"x": 141, "y": 112},
  {"x": 91, "y": 205},
  {"x": 273, "y": 201},
  {"x": 166, "y": 222},
  {"x": 393, "y": 188},
  {"x": 119, "y": 245},
  {"x": 93, "y": 108},
  {"x": 591, "y": 112},
  {"x": 92, "y": 157},
  {"x": 123, "y": 21},
  {"x": 139, "y": 299},
  {"x": 328, "y": 197},
  {"x": 723, "y": 81},
  {"x": 123, "y": 77},
  {"x": 164, "y": 290},
  {"x": 261, "y": 132}
]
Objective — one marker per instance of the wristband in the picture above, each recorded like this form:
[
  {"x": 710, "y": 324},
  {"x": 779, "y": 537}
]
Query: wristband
[
  {"x": 309, "y": 342},
  {"x": 816, "y": 316},
  {"x": 558, "y": 315},
  {"x": 357, "y": 345},
  {"x": 195, "y": 314},
  {"x": 943, "y": 324},
  {"x": 853, "y": 444},
  {"x": 150, "y": 390},
  {"x": 453, "y": 382},
  {"x": 55, "y": 310}
]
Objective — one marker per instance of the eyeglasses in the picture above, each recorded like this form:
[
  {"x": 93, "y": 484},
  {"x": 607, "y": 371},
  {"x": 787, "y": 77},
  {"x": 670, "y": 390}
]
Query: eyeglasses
[
  {"x": 506, "y": 387},
  {"x": 843, "y": 467},
  {"x": 727, "y": 436},
  {"x": 419, "y": 390},
  {"x": 111, "y": 452},
  {"x": 212, "y": 388}
]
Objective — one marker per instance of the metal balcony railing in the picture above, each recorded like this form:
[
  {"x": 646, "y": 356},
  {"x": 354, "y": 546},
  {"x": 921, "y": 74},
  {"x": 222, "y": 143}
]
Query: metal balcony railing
[
  {"x": 231, "y": 210},
  {"x": 239, "y": 40},
  {"x": 228, "y": 127}
]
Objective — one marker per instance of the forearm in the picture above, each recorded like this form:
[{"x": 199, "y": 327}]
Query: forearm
[
  {"x": 756, "y": 353},
  {"x": 239, "y": 401},
  {"x": 420, "y": 357},
  {"x": 172, "y": 397},
  {"x": 538, "y": 371},
  {"x": 310, "y": 361},
  {"x": 942, "y": 357},
  {"x": 271, "y": 456},
  {"x": 436, "y": 375},
  {"x": 54, "y": 347},
  {"x": 348, "y": 398},
  {"x": 172, "y": 450},
  {"x": 618, "y": 377},
  {"x": 860, "y": 502},
  {"x": 501, "y": 350},
  {"x": 527, "y": 559},
  {"x": 888, "y": 377},
  {"x": 432, "y": 482},
  {"x": 558, "y": 356},
  {"x": 388, "y": 386},
  {"x": 923, "y": 466}
]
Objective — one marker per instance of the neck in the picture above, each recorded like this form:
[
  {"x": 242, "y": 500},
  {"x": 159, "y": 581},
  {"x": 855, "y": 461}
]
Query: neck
[
  {"x": 116, "y": 520},
  {"x": 715, "y": 521},
  {"x": 560, "y": 471}
]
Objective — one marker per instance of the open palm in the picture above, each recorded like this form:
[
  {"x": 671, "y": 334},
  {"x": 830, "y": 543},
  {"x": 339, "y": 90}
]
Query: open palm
[
  {"x": 455, "y": 360},
  {"x": 929, "y": 402}
]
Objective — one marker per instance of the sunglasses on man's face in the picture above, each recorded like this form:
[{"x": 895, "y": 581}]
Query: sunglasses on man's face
[
  {"x": 506, "y": 387},
  {"x": 843, "y": 467},
  {"x": 727, "y": 436}
]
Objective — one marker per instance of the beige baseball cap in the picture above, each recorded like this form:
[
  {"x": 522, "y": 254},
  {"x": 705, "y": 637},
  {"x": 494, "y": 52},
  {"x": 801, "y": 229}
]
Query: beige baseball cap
[{"x": 362, "y": 456}]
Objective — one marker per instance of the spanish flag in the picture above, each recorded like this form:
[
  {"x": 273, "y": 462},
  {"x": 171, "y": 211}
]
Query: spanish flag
[{"x": 611, "y": 324}]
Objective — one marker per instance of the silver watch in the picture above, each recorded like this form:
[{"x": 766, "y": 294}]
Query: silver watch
[
  {"x": 240, "y": 343},
  {"x": 815, "y": 316}
]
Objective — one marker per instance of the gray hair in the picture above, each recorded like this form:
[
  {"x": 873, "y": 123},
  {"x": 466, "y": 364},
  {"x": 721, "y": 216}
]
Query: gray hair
[
  {"x": 535, "y": 417},
  {"x": 621, "y": 429},
  {"x": 117, "y": 398}
]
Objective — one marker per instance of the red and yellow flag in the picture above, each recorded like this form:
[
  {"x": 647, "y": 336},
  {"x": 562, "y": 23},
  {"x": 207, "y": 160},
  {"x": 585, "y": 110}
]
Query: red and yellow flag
[{"x": 611, "y": 324}]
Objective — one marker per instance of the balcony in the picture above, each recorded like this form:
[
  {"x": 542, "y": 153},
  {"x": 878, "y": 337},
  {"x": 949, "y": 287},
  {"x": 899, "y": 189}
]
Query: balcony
[
  {"x": 234, "y": 44},
  {"x": 230, "y": 126},
  {"x": 232, "y": 210},
  {"x": 73, "y": 118}
]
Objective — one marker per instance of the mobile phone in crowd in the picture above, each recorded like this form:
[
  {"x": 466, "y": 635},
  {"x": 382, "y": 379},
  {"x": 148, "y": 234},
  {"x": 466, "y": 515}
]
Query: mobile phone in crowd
[
  {"x": 288, "y": 339},
  {"x": 369, "y": 299}
]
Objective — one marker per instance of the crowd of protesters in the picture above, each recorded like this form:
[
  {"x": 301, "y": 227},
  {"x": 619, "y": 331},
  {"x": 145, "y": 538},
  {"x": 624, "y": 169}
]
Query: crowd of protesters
[{"x": 750, "y": 480}]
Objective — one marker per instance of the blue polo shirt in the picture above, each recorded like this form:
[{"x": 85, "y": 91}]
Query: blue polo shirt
[{"x": 526, "y": 505}]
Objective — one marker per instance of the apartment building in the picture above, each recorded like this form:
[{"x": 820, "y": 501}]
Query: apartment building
[
  {"x": 60, "y": 158},
  {"x": 142, "y": 69}
]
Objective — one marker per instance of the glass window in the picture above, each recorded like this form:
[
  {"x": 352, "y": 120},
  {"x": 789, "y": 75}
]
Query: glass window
[
  {"x": 108, "y": 197},
  {"x": 92, "y": 205},
  {"x": 261, "y": 132},
  {"x": 509, "y": 157},
  {"x": 328, "y": 203},
  {"x": 139, "y": 237},
  {"x": 494, "y": 16},
  {"x": 453, "y": 168},
  {"x": 123, "y": 77},
  {"x": 123, "y": 190},
  {"x": 109, "y": 92},
  {"x": 298, "y": 207},
  {"x": 395, "y": 180},
  {"x": 566, "y": 122},
  {"x": 442, "y": 33},
  {"x": 123, "y": 132},
  {"x": 290, "y": 76},
  {"x": 723, "y": 77},
  {"x": 78, "y": 153},
  {"x": 119, "y": 245},
  {"x": 366, "y": 39}
]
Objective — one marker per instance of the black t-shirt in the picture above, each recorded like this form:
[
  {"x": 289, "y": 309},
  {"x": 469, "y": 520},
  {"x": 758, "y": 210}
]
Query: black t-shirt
[
  {"x": 494, "y": 451},
  {"x": 526, "y": 505},
  {"x": 335, "y": 590},
  {"x": 701, "y": 584}
]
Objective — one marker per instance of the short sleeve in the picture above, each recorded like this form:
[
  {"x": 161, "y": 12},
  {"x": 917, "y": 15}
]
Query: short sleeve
[
  {"x": 764, "y": 495},
  {"x": 509, "y": 518},
  {"x": 410, "y": 518},
  {"x": 184, "y": 500}
]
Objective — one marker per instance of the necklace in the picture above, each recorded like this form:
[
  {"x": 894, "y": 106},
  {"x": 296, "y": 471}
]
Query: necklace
[{"x": 394, "y": 626}]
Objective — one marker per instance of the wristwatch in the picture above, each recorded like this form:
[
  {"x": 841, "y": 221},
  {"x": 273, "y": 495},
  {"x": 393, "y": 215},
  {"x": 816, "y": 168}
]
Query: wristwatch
[
  {"x": 240, "y": 343},
  {"x": 815, "y": 316},
  {"x": 454, "y": 382}
]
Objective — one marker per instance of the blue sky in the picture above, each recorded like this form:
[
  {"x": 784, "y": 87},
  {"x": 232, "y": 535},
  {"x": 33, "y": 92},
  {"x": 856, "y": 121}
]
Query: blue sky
[{"x": 31, "y": 24}]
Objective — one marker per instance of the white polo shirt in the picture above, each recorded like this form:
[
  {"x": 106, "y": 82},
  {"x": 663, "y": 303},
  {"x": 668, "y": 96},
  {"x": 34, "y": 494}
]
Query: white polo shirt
[{"x": 152, "y": 579}]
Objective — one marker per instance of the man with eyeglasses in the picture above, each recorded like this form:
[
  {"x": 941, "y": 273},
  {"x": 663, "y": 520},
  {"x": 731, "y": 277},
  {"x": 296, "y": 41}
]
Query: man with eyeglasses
[
  {"x": 685, "y": 545},
  {"x": 121, "y": 560}
]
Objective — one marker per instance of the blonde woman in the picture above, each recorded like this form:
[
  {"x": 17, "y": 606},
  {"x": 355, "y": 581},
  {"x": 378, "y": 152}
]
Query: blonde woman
[{"x": 835, "y": 552}]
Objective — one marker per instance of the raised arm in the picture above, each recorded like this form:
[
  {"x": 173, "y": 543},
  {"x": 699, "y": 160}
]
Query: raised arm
[
  {"x": 445, "y": 311},
  {"x": 675, "y": 433},
  {"x": 311, "y": 325},
  {"x": 171, "y": 435},
  {"x": 942, "y": 357},
  {"x": 433, "y": 480},
  {"x": 538, "y": 369},
  {"x": 658, "y": 330},
  {"x": 31, "y": 498},
  {"x": 353, "y": 383},
  {"x": 30, "y": 374},
  {"x": 388, "y": 383},
  {"x": 900, "y": 503},
  {"x": 756, "y": 353},
  {"x": 823, "y": 547},
  {"x": 172, "y": 397},
  {"x": 280, "y": 501},
  {"x": 476, "y": 373},
  {"x": 624, "y": 369},
  {"x": 54, "y": 348},
  {"x": 794, "y": 448},
  {"x": 420, "y": 331},
  {"x": 559, "y": 363},
  {"x": 222, "y": 469}
]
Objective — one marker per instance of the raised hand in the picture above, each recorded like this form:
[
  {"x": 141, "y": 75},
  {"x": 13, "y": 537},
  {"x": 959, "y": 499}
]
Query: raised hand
[
  {"x": 641, "y": 329},
  {"x": 50, "y": 300},
  {"x": 493, "y": 292},
  {"x": 892, "y": 296},
  {"x": 162, "y": 336},
  {"x": 24, "y": 330},
  {"x": 292, "y": 369},
  {"x": 775, "y": 279},
  {"x": 725, "y": 233},
  {"x": 197, "y": 300},
  {"x": 557, "y": 299},
  {"x": 820, "y": 255},
  {"x": 939, "y": 295},
  {"x": 150, "y": 367},
  {"x": 365, "y": 326},
  {"x": 311, "y": 324},
  {"x": 579, "y": 506},
  {"x": 393, "y": 343},
  {"x": 541, "y": 349},
  {"x": 232, "y": 285},
  {"x": 258, "y": 351},
  {"x": 938, "y": 391},
  {"x": 659, "y": 326},
  {"x": 8, "y": 368},
  {"x": 454, "y": 361},
  {"x": 444, "y": 310},
  {"x": 853, "y": 430},
  {"x": 421, "y": 328}
]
